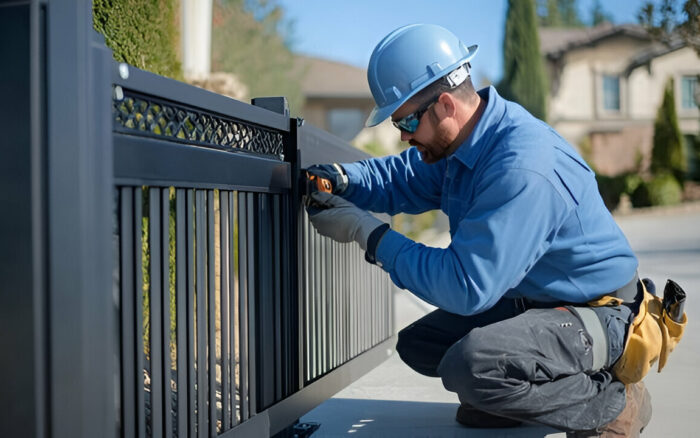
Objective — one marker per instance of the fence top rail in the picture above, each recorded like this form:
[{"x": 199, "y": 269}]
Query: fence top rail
[
  {"x": 317, "y": 146},
  {"x": 132, "y": 78}
]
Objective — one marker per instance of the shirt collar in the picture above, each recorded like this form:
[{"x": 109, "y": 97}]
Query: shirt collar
[{"x": 470, "y": 149}]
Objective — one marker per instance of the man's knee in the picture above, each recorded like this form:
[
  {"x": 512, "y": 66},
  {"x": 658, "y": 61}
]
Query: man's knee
[
  {"x": 471, "y": 369},
  {"x": 407, "y": 346}
]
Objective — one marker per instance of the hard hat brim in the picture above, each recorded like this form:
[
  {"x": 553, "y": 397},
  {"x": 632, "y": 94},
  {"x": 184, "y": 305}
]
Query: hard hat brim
[{"x": 378, "y": 115}]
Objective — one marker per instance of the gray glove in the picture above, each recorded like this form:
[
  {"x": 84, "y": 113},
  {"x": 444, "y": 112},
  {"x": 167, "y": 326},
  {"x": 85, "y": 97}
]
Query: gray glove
[{"x": 341, "y": 220}]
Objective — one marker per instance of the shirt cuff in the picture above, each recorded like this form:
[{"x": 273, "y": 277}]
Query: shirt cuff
[
  {"x": 391, "y": 246},
  {"x": 354, "y": 178},
  {"x": 373, "y": 241}
]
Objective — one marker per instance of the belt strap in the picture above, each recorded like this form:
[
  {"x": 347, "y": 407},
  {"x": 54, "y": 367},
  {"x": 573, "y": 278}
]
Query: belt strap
[
  {"x": 594, "y": 327},
  {"x": 628, "y": 292}
]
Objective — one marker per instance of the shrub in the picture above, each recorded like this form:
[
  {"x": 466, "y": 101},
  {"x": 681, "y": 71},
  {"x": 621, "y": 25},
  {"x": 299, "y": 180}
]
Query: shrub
[
  {"x": 610, "y": 188},
  {"x": 663, "y": 189},
  {"x": 141, "y": 33}
]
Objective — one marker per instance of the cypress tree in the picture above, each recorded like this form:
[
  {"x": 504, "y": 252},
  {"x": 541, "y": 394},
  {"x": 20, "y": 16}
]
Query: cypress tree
[
  {"x": 523, "y": 80},
  {"x": 667, "y": 153}
]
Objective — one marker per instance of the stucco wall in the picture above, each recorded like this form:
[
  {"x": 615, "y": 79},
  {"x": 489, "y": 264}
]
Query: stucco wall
[{"x": 618, "y": 141}]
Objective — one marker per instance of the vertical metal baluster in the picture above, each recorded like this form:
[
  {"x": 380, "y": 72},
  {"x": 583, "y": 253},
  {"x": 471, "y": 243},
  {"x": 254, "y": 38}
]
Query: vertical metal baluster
[
  {"x": 211, "y": 310},
  {"x": 224, "y": 305},
  {"x": 165, "y": 301},
  {"x": 190, "y": 315},
  {"x": 331, "y": 307},
  {"x": 155, "y": 297},
  {"x": 265, "y": 262},
  {"x": 322, "y": 268},
  {"x": 201, "y": 245},
  {"x": 338, "y": 270},
  {"x": 138, "y": 310},
  {"x": 243, "y": 302},
  {"x": 346, "y": 307},
  {"x": 304, "y": 316},
  {"x": 181, "y": 306},
  {"x": 252, "y": 316},
  {"x": 233, "y": 281},
  {"x": 316, "y": 336},
  {"x": 126, "y": 275},
  {"x": 277, "y": 276}
]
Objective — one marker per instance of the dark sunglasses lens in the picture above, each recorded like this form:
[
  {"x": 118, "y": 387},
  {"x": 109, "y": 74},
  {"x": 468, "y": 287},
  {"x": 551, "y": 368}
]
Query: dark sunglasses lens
[{"x": 408, "y": 124}]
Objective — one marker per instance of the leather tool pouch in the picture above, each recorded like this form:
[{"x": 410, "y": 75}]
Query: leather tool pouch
[{"x": 651, "y": 337}]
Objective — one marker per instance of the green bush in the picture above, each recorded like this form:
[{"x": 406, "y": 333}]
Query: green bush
[
  {"x": 611, "y": 188},
  {"x": 663, "y": 189},
  {"x": 141, "y": 33}
]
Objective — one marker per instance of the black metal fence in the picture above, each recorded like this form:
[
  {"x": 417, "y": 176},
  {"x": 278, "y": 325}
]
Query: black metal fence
[{"x": 160, "y": 276}]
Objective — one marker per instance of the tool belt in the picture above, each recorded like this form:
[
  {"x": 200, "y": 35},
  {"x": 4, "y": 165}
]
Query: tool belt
[{"x": 654, "y": 332}]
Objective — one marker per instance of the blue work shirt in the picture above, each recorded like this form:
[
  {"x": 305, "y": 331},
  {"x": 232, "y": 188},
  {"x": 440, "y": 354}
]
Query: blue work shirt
[{"x": 526, "y": 218}]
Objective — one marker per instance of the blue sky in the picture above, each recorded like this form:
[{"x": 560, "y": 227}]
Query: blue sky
[{"x": 347, "y": 31}]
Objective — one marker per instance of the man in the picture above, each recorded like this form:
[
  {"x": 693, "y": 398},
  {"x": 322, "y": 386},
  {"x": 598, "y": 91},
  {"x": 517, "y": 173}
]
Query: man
[{"x": 532, "y": 243}]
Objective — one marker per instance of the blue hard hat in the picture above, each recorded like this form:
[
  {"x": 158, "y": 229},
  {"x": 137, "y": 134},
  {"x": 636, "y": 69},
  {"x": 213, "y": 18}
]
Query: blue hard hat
[{"x": 408, "y": 60}]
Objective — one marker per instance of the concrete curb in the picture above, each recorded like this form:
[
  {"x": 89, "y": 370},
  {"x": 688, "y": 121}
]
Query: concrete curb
[{"x": 663, "y": 210}]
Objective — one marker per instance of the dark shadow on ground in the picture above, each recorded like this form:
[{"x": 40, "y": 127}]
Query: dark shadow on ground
[{"x": 341, "y": 417}]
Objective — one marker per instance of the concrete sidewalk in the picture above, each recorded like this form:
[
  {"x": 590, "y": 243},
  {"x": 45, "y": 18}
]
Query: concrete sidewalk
[{"x": 394, "y": 401}]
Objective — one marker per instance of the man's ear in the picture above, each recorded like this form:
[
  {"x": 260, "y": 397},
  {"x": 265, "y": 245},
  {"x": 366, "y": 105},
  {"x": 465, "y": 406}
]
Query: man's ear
[{"x": 446, "y": 106}]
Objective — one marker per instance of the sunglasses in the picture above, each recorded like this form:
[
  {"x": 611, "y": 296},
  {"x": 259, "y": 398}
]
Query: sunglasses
[{"x": 410, "y": 122}]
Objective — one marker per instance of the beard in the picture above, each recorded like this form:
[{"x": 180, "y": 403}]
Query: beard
[{"x": 438, "y": 147}]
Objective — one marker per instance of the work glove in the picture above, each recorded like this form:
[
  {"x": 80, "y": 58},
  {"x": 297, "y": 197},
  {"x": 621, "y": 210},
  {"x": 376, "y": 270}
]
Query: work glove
[
  {"x": 341, "y": 220},
  {"x": 333, "y": 173}
]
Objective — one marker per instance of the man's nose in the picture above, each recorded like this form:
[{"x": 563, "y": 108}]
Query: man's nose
[{"x": 405, "y": 136}]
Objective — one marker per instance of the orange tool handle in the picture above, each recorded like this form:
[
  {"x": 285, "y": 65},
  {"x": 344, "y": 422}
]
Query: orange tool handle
[{"x": 320, "y": 184}]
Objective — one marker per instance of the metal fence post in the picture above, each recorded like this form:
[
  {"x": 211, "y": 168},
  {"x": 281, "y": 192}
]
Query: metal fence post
[
  {"x": 81, "y": 304},
  {"x": 23, "y": 294}
]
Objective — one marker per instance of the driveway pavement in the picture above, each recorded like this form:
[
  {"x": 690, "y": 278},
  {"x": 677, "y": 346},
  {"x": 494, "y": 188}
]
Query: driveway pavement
[{"x": 394, "y": 401}]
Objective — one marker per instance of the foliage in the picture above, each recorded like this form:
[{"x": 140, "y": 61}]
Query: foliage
[
  {"x": 413, "y": 225},
  {"x": 524, "y": 80},
  {"x": 612, "y": 188},
  {"x": 663, "y": 189},
  {"x": 250, "y": 41},
  {"x": 141, "y": 33},
  {"x": 667, "y": 154},
  {"x": 558, "y": 13},
  {"x": 374, "y": 148},
  {"x": 693, "y": 149},
  {"x": 598, "y": 15},
  {"x": 146, "y": 269},
  {"x": 664, "y": 20}
]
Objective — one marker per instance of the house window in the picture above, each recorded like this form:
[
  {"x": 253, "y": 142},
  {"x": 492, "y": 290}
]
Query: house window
[
  {"x": 611, "y": 93},
  {"x": 346, "y": 123},
  {"x": 688, "y": 84}
]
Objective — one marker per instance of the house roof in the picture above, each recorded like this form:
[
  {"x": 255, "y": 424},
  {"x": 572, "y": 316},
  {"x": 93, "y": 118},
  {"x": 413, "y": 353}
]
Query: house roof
[
  {"x": 658, "y": 49},
  {"x": 332, "y": 79},
  {"x": 555, "y": 42}
]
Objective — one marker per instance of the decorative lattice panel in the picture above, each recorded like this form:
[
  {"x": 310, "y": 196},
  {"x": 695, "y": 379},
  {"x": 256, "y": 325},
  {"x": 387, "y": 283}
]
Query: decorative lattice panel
[{"x": 143, "y": 115}]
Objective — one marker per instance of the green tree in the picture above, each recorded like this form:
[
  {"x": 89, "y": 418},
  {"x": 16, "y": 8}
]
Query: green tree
[
  {"x": 664, "y": 21},
  {"x": 251, "y": 40},
  {"x": 558, "y": 13},
  {"x": 598, "y": 14},
  {"x": 667, "y": 154},
  {"x": 524, "y": 80},
  {"x": 141, "y": 33}
]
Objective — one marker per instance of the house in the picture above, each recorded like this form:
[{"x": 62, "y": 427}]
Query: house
[
  {"x": 337, "y": 97},
  {"x": 338, "y": 100},
  {"x": 606, "y": 84}
]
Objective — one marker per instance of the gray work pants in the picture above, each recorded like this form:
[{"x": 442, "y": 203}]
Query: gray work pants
[{"x": 528, "y": 364}]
